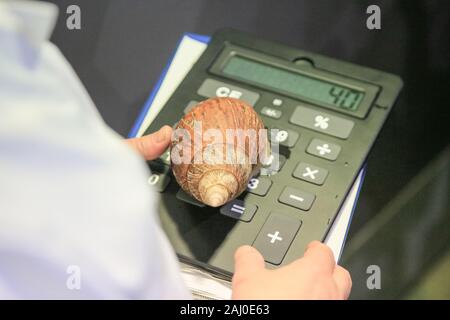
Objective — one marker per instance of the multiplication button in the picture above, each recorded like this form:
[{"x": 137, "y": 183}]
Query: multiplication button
[
  {"x": 297, "y": 198},
  {"x": 310, "y": 173},
  {"x": 276, "y": 236}
]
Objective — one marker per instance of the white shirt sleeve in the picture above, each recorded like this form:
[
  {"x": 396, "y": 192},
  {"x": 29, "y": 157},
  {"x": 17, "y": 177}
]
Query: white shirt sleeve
[{"x": 77, "y": 217}]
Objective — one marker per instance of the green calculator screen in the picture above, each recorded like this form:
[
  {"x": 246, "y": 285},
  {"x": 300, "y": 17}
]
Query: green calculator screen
[{"x": 293, "y": 83}]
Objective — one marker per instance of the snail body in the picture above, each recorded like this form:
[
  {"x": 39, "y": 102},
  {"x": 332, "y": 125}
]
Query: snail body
[{"x": 216, "y": 149}]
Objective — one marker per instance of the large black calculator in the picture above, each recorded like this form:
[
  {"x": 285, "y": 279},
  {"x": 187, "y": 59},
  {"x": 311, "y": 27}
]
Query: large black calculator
[{"x": 328, "y": 114}]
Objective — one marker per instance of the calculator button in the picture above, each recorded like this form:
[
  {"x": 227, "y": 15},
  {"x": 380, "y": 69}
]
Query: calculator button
[
  {"x": 297, "y": 198},
  {"x": 277, "y": 102},
  {"x": 322, "y": 122},
  {"x": 240, "y": 210},
  {"x": 183, "y": 196},
  {"x": 284, "y": 137},
  {"x": 189, "y": 106},
  {"x": 213, "y": 88},
  {"x": 259, "y": 186},
  {"x": 273, "y": 165},
  {"x": 158, "y": 181},
  {"x": 323, "y": 149},
  {"x": 272, "y": 113},
  {"x": 276, "y": 236},
  {"x": 310, "y": 173},
  {"x": 165, "y": 157}
]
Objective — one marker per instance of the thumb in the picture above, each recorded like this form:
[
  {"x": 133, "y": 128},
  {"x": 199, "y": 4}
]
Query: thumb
[
  {"x": 247, "y": 260},
  {"x": 152, "y": 145}
]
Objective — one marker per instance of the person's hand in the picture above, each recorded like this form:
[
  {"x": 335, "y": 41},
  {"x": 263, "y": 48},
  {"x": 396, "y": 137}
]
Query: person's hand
[
  {"x": 152, "y": 145},
  {"x": 315, "y": 276}
]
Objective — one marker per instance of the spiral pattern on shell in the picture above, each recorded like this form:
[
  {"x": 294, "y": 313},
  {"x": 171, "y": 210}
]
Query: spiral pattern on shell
[{"x": 211, "y": 181}]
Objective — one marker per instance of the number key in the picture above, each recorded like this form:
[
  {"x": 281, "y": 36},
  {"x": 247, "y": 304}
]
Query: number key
[
  {"x": 159, "y": 181},
  {"x": 259, "y": 186},
  {"x": 165, "y": 157},
  {"x": 284, "y": 137}
]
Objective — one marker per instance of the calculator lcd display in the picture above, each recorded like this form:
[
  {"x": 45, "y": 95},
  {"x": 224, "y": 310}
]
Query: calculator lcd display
[{"x": 293, "y": 83}]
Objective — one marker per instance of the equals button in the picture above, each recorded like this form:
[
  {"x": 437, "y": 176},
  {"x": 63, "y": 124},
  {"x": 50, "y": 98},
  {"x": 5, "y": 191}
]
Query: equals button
[{"x": 238, "y": 209}]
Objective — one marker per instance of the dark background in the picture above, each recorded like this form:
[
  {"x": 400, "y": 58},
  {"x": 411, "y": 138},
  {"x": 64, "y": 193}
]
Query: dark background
[{"x": 123, "y": 46}]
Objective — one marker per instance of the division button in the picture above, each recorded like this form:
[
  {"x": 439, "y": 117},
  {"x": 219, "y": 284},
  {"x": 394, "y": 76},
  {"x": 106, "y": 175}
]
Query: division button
[{"x": 323, "y": 149}]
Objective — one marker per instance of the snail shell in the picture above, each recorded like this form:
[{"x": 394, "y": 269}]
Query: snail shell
[{"x": 212, "y": 180}]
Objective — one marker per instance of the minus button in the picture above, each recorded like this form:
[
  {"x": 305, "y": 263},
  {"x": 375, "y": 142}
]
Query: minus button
[{"x": 296, "y": 198}]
